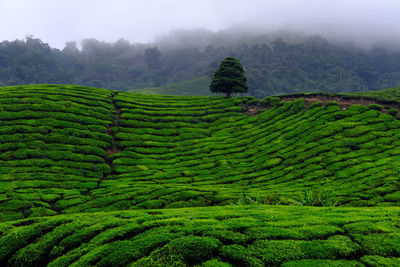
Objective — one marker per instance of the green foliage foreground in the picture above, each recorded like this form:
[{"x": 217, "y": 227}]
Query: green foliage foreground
[
  {"x": 93, "y": 177},
  {"x": 212, "y": 236}
]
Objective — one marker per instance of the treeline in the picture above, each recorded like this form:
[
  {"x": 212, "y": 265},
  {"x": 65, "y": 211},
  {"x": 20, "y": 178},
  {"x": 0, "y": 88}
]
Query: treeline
[{"x": 272, "y": 67}]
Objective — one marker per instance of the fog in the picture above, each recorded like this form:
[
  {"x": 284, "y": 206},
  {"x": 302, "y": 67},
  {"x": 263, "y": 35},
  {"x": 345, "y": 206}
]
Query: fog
[{"x": 362, "y": 22}]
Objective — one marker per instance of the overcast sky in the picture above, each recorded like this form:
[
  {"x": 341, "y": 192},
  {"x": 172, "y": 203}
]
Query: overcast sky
[{"x": 59, "y": 21}]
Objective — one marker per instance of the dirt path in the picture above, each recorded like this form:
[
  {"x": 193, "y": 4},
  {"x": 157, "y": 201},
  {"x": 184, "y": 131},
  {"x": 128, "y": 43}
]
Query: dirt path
[{"x": 113, "y": 149}]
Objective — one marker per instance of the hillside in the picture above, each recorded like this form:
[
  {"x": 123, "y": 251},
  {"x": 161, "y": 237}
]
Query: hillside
[
  {"x": 388, "y": 97},
  {"x": 274, "y": 64},
  {"x": 193, "y": 87},
  {"x": 123, "y": 177},
  {"x": 68, "y": 149}
]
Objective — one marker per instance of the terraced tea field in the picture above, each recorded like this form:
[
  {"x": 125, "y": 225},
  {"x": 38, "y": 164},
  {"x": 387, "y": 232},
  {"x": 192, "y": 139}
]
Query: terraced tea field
[
  {"x": 211, "y": 236},
  {"x": 99, "y": 162},
  {"x": 202, "y": 151},
  {"x": 52, "y": 148}
]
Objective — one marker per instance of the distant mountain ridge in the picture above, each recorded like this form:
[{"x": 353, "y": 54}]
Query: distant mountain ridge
[{"x": 273, "y": 65}]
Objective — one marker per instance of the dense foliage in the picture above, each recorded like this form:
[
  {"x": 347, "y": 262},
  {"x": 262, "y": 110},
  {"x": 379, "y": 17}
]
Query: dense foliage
[
  {"x": 229, "y": 78},
  {"x": 391, "y": 95},
  {"x": 53, "y": 143},
  {"x": 214, "y": 236},
  {"x": 272, "y": 67},
  {"x": 193, "y": 87},
  {"x": 67, "y": 149},
  {"x": 84, "y": 173}
]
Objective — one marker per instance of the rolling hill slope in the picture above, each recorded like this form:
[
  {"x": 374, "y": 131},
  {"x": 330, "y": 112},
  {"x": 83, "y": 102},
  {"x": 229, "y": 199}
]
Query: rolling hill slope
[
  {"x": 53, "y": 141},
  {"x": 198, "y": 87},
  {"x": 92, "y": 177},
  {"x": 67, "y": 149}
]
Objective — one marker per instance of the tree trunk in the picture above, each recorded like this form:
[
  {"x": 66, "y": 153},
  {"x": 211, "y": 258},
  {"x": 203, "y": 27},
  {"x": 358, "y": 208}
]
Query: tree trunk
[{"x": 228, "y": 94}]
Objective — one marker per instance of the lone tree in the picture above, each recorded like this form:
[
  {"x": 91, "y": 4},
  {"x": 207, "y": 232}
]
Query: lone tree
[{"x": 229, "y": 78}]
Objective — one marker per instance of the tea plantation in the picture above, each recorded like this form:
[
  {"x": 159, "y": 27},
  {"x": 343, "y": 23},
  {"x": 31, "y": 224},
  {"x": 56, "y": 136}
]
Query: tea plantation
[
  {"x": 91, "y": 176},
  {"x": 211, "y": 236}
]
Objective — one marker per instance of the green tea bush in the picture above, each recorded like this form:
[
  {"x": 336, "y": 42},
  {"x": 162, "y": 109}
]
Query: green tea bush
[
  {"x": 215, "y": 263},
  {"x": 202, "y": 151},
  {"x": 373, "y": 260},
  {"x": 393, "y": 111},
  {"x": 322, "y": 263},
  {"x": 381, "y": 244},
  {"x": 271, "y": 101},
  {"x": 375, "y": 106},
  {"x": 239, "y": 255},
  {"x": 188, "y": 250}
]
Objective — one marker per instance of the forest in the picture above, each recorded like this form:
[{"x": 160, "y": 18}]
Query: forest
[{"x": 273, "y": 65}]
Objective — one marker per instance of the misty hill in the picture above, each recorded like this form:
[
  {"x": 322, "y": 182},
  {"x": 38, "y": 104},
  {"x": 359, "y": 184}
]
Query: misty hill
[
  {"x": 274, "y": 65},
  {"x": 192, "y": 87},
  {"x": 91, "y": 176}
]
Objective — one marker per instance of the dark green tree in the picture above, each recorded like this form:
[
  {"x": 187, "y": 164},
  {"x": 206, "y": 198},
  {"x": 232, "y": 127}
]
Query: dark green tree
[
  {"x": 229, "y": 78},
  {"x": 152, "y": 58}
]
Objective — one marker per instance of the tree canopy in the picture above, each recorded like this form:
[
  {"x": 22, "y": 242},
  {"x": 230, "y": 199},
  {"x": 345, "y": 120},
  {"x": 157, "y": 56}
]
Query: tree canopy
[
  {"x": 272, "y": 67},
  {"x": 229, "y": 78}
]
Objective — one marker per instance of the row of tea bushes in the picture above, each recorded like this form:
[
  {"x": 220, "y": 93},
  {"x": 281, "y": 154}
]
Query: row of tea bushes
[
  {"x": 169, "y": 151},
  {"x": 221, "y": 154},
  {"x": 52, "y": 147},
  {"x": 212, "y": 236}
]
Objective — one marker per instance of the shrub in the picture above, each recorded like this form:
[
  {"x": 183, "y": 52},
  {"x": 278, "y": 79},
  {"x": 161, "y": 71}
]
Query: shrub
[
  {"x": 118, "y": 253},
  {"x": 332, "y": 103},
  {"x": 188, "y": 250},
  {"x": 378, "y": 261},
  {"x": 315, "y": 105},
  {"x": 298, "y": 105},
  {"x": 363, "y": 228},
  {"x": 248, "y": 200},
  {"x": 41, "y": 211},
  {"x": 227, "y": 236},
  {"x": 322, "y": 263},
  {"x": 215, "y": 263},
  {"x": 312, "y": 197},
  {"x": 375, "y": 106},
  {"x": 152, "y": 204},
  {"x": 239, "y": 255},
  {"x": 271, "y": 101},
  {"x": 273, "y": 252},
  {"x": 20, "y": 237},
  {"x": 393, "y": 111},
  {"x": 382, "y": 244}
]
